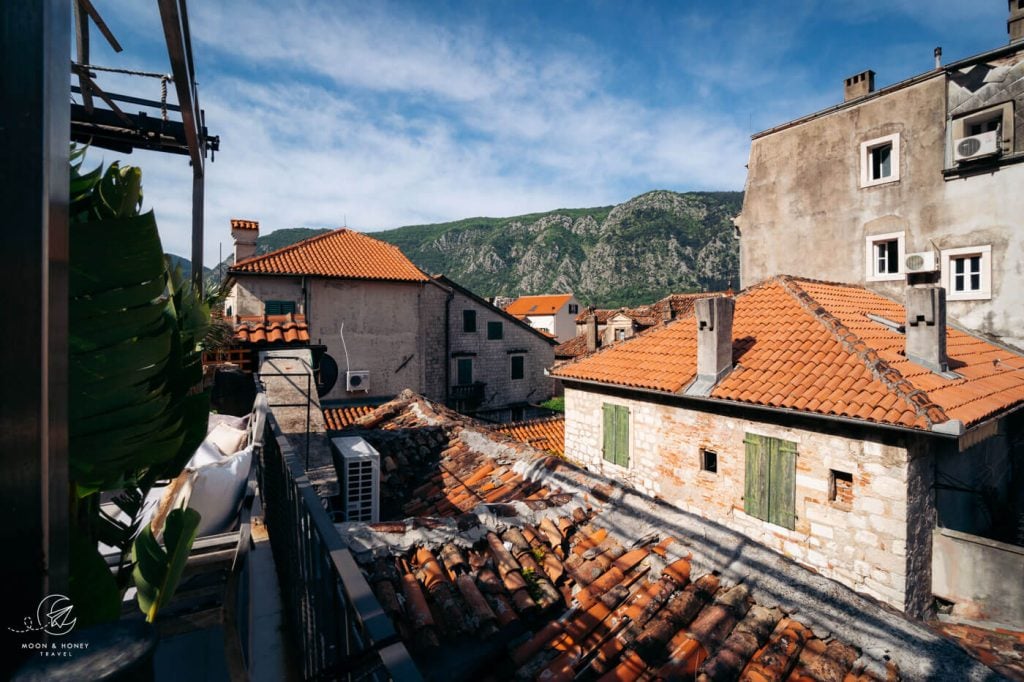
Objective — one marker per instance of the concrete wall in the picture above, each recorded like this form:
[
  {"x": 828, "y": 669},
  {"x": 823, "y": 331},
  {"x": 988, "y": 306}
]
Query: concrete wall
[
  {"x": 871, "y": 545},
  {"x": 803, "y": 196},
  {"x": 562, "y": 324},
  {"x": 984, "y": 578},
  {"x": 492, "y": 358}
]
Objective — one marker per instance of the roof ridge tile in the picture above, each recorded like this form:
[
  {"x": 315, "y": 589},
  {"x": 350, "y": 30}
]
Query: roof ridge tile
[{"x": 916, "y": 398}]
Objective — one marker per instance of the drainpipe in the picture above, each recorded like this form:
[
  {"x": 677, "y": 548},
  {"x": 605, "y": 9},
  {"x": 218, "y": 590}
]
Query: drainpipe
[{"x": 448, "y": 346}]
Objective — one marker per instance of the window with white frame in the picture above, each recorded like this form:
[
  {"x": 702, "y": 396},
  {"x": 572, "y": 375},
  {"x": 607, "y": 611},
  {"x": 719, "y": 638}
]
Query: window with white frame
[
  {"x": 880, "y": 160},
  {"x": 884, "y": 256},
  {"x": 967, "y": 273},
  {"x": 996, "y": 118}
]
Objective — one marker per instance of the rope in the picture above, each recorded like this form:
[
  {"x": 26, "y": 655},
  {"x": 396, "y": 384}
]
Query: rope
[
  {"x": 130, "y": 72},
  {"x": 163, "y": 96}
]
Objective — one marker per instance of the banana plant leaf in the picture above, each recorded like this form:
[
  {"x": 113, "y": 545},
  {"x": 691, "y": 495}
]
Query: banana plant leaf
[{"x": 157, "y": 571}]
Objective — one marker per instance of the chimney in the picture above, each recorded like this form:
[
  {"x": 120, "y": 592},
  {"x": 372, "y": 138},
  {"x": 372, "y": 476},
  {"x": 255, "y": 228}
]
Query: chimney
[
  {"x": 938, "y": 58},
  {"x": 591, "y": 331},
  {"x": 714, "y": 342},
  {"x": 926, "y": 327},
  {"x": 858, "y": 86},
  {"x": 1015, "y": 23},
  {"x": 244, "y": 232}
]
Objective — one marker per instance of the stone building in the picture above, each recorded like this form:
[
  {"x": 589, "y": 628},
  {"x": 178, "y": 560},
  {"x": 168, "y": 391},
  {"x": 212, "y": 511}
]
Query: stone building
[
  {"x": 919, "y": 178},
  {"x": 809, "y": 418},
  {"x": 387, "y": 326},
  {"x": 553, "y": 314}
]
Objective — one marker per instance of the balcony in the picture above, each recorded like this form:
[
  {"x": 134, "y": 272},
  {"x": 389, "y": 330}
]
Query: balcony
[{"x": 464, "y": 397}]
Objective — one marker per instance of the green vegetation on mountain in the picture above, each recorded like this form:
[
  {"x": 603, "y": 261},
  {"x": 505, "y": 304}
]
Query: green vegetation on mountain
[{"x": 657, "y": 243}]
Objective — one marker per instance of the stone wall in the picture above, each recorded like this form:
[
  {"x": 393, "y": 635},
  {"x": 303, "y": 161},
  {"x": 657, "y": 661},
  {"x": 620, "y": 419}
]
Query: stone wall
[
  {"x": 249, "y": 293},
  {"x": 492, "y": 358},
  {"x": 871, "y": 544}
]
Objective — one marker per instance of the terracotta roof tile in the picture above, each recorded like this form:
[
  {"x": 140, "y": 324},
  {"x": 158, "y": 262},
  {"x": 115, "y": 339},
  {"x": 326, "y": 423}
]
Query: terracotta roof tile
[
  {"x": 268, "y": 329},
  {"x": 538, "y": 305},
  {"x": 810, "y": 346},
  {"x": 337, "y": 418},
  {"x": 342, "y": 253},
  {"x": 546, "y": 433}
]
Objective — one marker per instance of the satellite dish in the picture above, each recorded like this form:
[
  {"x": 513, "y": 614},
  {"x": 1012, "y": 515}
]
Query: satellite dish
[{"x": 326, "y": 375}]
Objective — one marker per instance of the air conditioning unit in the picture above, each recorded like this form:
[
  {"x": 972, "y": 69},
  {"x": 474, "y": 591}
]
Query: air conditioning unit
[
  {"x": 357, "y": 380},
  {"x": 977, "y": 146},
  {"x": 925, "y": 261},
  {"x": 360, "y": 471}
]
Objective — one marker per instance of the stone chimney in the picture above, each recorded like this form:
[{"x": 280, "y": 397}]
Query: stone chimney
[
  {"x": 244, "y": 232},
  {"x": 926, "y": 327},
  {"x": 858, "y": 86},
  {"x": 1015, "y": 23},
  {"x": 714, "y": 342},
  {"x": 591, "y": 331}
]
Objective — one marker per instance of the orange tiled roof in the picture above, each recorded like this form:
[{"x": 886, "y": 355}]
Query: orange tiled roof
[
  {"x": 680, "y": 305},
  {"x": 290, "y": 328},
  {"x": 338, "y": 418},
  {"x": 239, "y": 224},
  {"x": 546, "y": 433},
  {"x": 538, "y": 305},
  {"x": 342, "y": 253},
  {"x": 565, "y": 574},
  {"x": 573, "y": 348},
  {"x": 809, "y": 346}
]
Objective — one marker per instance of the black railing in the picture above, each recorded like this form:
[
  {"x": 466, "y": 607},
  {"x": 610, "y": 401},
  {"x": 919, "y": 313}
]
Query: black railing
[
  {"x": 468, "y": 394},
  {"x": 339, "y": 626}
]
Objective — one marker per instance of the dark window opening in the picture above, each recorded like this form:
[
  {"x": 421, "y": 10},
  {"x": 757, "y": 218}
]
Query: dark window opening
[
  {"x": 469, "y": 321},
  {"x": 881, "y": 162},
  {"x": 495, "y": 331},
  {"x": 518, "y": 367},
  {"x": 464, "y": 371},
  {"x": 709, "y": 461},
  {"x": 887, "y": 257},
  {"x": 573, "y": 309},
  {"x": 840, "y": 488}
]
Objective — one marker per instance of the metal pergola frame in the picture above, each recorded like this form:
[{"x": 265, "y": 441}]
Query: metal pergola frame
[{"x": 36, "y": 126}]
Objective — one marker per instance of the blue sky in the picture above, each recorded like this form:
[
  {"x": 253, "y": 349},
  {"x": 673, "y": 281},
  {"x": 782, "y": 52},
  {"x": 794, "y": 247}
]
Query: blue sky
[{"x": 384, "y": 114}]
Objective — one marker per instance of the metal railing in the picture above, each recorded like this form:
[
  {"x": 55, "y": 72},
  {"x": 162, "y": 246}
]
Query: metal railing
[
  {"x": 339, "y": 626},
  {"x": 470, "y": 394}
]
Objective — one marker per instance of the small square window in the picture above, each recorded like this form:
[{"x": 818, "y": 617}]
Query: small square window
[
  {"x": 469, "y": 321},
  {"x": 518, "y": 367},
  {"x": 885, "y": 253},
  {"x": 840, "y": 488},
  {"x": 278, "y": 307},
  {"x": 967, "y": 273},
  {"x": 620, "y": 334},
  {"x": 573, "y": 309},
  {"x": 495, "y": 331},
  {"x": 880, "y": 160},
  {"x": 708, "y": 461}
]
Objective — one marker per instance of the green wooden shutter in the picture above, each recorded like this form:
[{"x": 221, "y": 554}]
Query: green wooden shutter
[
  {"x": 782, "y": 478},
  {"x": 622, "y": 436},
  {"x": 609, "y": 432},
  {"x": 755, "y": 483}
]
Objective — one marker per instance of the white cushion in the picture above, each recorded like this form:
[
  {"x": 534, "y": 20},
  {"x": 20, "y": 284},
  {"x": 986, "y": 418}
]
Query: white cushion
[
  {"x": 234, "y": 422},
  {"x": 206, "y": 453},
  {"x": 217, "y": 490},
  {"x": 229, "y": 440}
]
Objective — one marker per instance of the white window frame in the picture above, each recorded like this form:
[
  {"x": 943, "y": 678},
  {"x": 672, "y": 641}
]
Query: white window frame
[
  {"x": 865, "y": 160},
  {"x": 1003, "y": 111},
  {"x": 983, "y": 294},
  {"x": 870, "y": 273}
]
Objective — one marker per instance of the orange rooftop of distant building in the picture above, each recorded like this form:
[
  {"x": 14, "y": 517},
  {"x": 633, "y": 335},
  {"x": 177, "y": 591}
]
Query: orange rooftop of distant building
[
  {"x": 342, "y": 253},
  {"x": 538, "y": 305}
]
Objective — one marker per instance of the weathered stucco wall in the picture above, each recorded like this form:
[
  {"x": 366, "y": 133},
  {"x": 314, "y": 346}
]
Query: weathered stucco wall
[
  {"x": 871, "y": 545},
  {"x": 382, "y": 332},
  {"x": 249, "y": 293},
  {"x": 984, "y": 576},
  {"x": 805, "y": 213}
]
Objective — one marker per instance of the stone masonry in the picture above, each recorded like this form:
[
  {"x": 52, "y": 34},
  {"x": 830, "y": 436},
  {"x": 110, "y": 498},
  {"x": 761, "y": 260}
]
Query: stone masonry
[{"x": 871, "y": 544}]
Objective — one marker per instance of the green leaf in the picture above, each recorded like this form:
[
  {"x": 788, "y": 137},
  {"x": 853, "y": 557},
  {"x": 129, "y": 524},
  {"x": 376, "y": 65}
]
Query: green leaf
[
  {"x": 157, "y": 572},
  {"x": 94, "y": 590}
]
